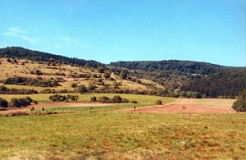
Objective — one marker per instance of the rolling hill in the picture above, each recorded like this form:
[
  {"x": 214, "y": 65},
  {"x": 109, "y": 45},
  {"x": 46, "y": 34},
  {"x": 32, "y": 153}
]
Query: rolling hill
[
  {"x": 184, "y": 77},
  {"x": 54, "y": 73},
  {"x": 24, "y": 69}
]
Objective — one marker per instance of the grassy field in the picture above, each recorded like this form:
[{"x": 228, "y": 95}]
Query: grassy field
[
  {"x": 148, "y": 100},
  {"x": 109, "y": 133},
  {"x": 103, "y": 135}
]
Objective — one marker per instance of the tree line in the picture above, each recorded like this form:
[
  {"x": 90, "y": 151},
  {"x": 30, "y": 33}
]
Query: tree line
[
  {"x": 5, "y": 90},
  {"x": 188, "y": 67},
  {"x": 39, "y": 82},
  {"x": 17, "y": 102},
  {"x": 226, "y": 84},
  {"x": 19, "y": 52}
]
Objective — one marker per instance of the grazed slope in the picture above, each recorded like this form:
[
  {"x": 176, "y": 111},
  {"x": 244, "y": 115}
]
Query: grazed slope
[{"x": 19, "y": 52}]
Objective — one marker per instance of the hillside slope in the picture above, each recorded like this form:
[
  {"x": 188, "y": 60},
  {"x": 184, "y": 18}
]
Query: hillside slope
[
  {"x": 24, "y": 69},
  {"x": 172, "y": 78},
  {"x": 19, "y": 52}
]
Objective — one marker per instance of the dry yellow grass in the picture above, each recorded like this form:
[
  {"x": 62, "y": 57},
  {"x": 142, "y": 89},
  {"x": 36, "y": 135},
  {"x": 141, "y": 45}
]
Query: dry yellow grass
[{"x": 26, "y": 68}]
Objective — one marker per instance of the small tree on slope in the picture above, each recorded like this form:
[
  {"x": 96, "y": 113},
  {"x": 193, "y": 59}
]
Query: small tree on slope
[{"x": 240, "y": 104}]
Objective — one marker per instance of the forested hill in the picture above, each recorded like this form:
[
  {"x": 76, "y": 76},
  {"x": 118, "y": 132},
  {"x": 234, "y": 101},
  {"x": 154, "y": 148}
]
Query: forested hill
[
  {"x": 227, "y": 83},
  {"x": 188, "y": 67},
  {"x": 183, "y": 77},
  {"x": 19, "y": 52}
]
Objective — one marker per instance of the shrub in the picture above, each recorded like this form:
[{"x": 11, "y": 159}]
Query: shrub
[
  {"x": 28, "y": 100},
  {"x": 189, "y": 94},
  {"x": 15, "y": 102},
  {"x": 73, "y": 98},
  {"x": 93, "y": 99},
  {"x": 60, "y": 98},
  {"x": 57, "y": 98},
  {"x": 3, "y": 102},
  {"x": 48, "y": 91},
  {"x": 21, "y": 102},
  {"x": 82, "y": 89},
  {"x": 104, "y": 99},
  {"x": 38, "y": 72},
  {"x": 124, "y": 100},
  {"x": 92, "y": 87},
  {"x": 159, "y": 102},
  {"x": 123, "y": 74},
  {"x": 117, "y": 99},
  {"x": 134, "y": 101},
  {"x": 240, "y": 104},
  {"x": 101, "y": 69},
  {"x": 74, "y": 85},
  {"x": 107, "y": 74},
  {"x": 35, "y": 102},
  {"x": 196, "y": 95}
]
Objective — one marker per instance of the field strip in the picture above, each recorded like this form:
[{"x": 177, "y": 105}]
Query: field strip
[
  {"x": 61, "y": 104},
  {"x": 182, "y": 105}
]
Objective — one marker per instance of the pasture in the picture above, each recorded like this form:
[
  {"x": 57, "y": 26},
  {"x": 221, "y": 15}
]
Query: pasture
[
  {"x": 110, "y": 132},
  {"x": 148, "y": 100}
]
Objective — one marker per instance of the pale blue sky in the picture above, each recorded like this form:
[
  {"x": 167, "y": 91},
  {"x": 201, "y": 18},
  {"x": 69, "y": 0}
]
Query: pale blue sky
[{"x": 128, "y": 30}]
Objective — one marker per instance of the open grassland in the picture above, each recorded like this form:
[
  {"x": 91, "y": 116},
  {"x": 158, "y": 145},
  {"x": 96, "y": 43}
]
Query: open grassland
[
  {"x": 24, "y": 67},
  {"x": 103, "y": 135},
  {"x": 209, "y": 102}
]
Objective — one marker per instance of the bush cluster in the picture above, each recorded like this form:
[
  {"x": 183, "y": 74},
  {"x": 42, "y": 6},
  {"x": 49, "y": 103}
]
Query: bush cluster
[
  {"x": 105, "y": 99},
  {"x": 67, "y": 98},
  {"x": 32, "y": 82},
  {"x": 240, "y": 104},
  {"x": 21, "y": 102},
  {"x": 159, "y": 102},
  {"x": 3, "y": 102},
  {"x": 53, "y": 91},
  {"x": 5, "y": 90}
]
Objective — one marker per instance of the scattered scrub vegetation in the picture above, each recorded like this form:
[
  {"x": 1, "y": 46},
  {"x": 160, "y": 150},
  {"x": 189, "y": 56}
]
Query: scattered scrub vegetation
[
  {"x": 162, "y": 78},
  {"x": 5, "y": 90},
  {"x": 18, "y": 52},
  {"x": 67, "y": 98},
  {"x": 21, "y": 102},
  {"x": 105, "y": 99},
  {"x": 38, "y": 82}
]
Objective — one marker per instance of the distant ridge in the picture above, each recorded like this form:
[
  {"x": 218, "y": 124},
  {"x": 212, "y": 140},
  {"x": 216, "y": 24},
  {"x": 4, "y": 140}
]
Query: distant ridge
[
  {"x": 189, "y": 78},
  {"x": 19, "y": 52},
  {"x": 190, "y": 67}
]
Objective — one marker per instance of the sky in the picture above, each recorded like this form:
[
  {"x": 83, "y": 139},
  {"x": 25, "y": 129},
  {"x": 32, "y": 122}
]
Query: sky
[{"x": 128, "y": 30}]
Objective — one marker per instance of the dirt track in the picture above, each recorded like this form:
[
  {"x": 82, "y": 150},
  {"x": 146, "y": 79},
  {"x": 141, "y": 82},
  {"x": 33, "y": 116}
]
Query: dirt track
[{"x": 191, "y": 106}]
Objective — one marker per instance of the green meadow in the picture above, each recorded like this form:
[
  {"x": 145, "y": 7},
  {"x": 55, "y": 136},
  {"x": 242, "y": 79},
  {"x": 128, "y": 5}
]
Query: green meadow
[
  {"x": 148, "y": 100},
  {"x": 108, "y": 133}
]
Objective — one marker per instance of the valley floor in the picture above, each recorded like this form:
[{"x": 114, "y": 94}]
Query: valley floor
[{"x": 181, "y": 105}]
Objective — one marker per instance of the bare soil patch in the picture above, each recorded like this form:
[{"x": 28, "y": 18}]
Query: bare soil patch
[{"x": 191, "y": 106}]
